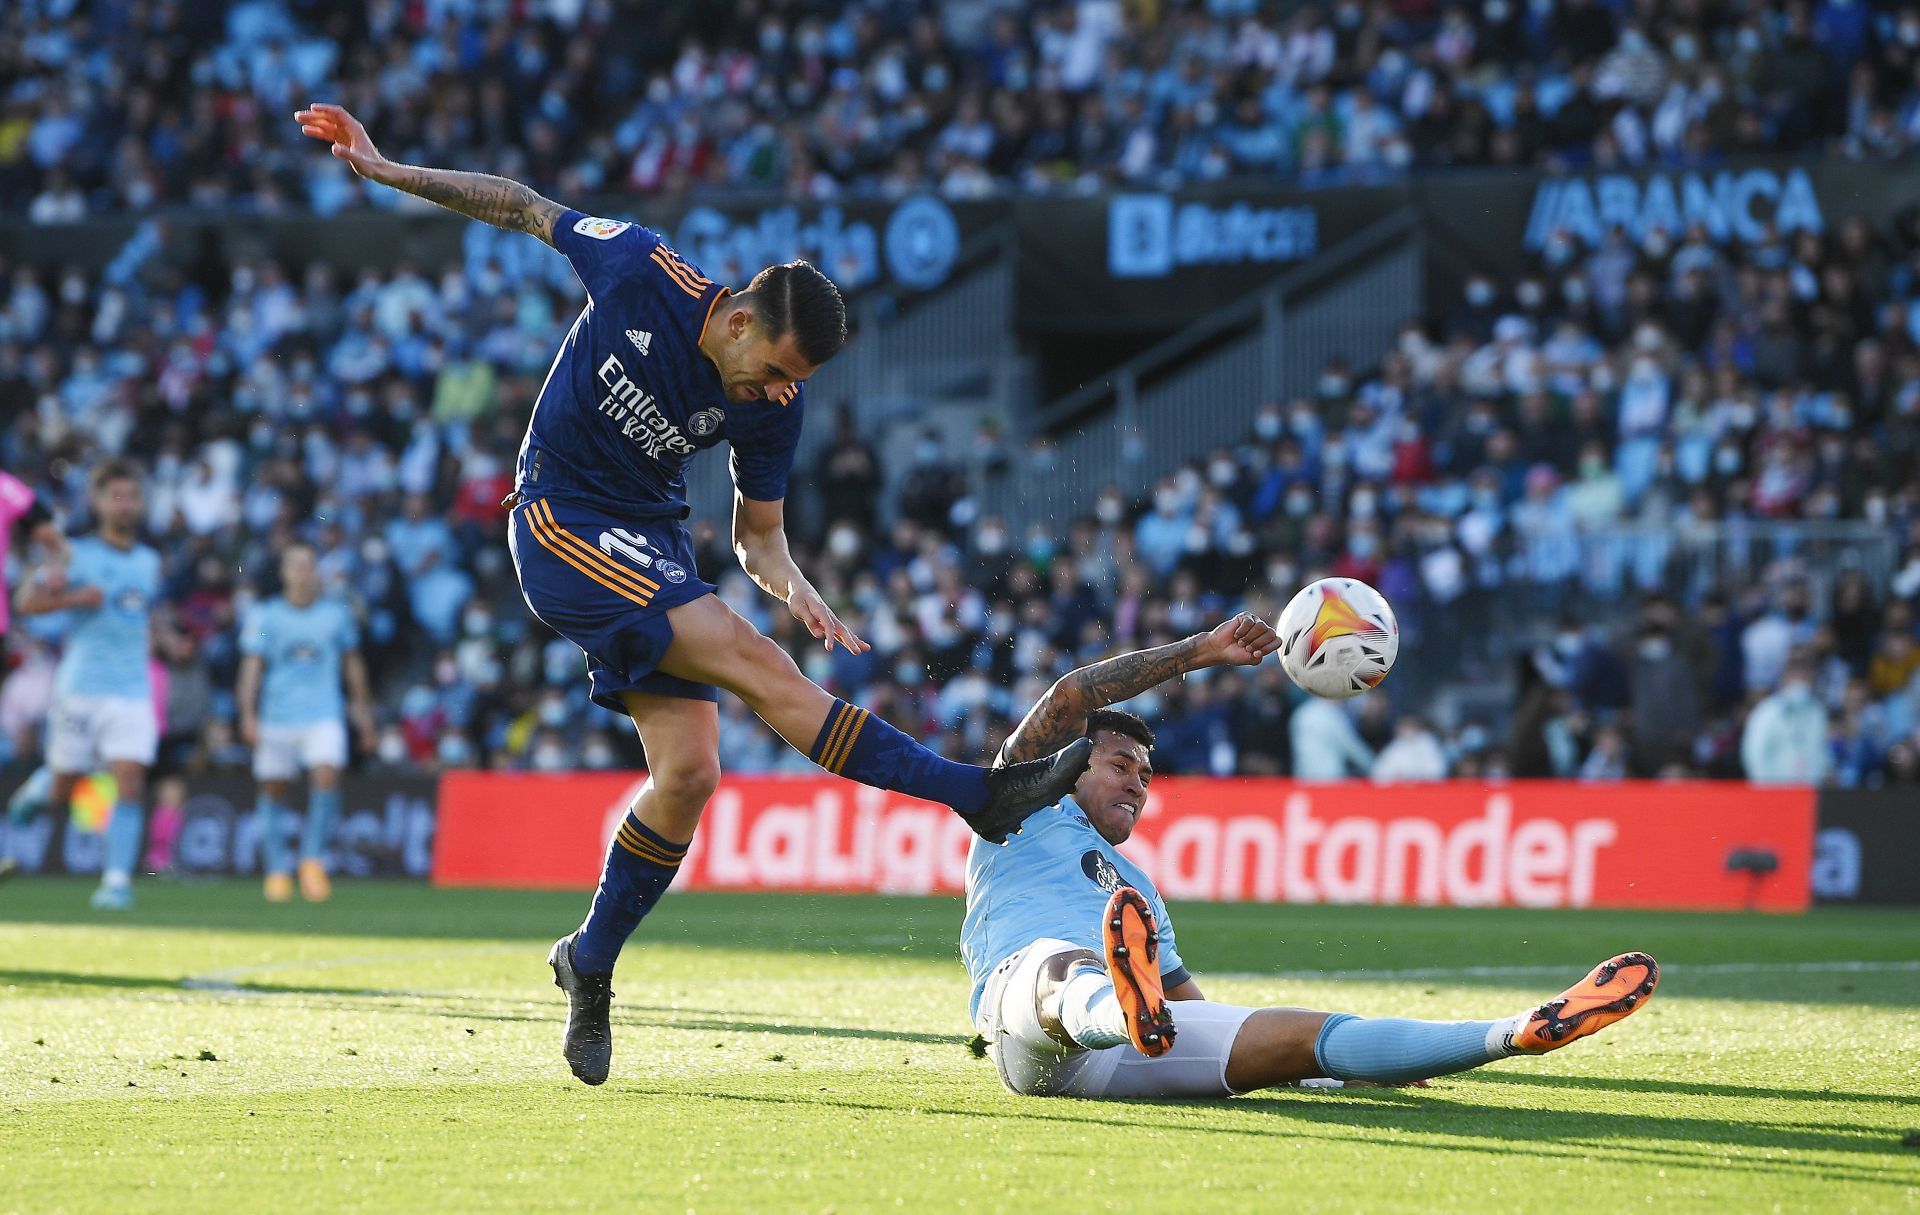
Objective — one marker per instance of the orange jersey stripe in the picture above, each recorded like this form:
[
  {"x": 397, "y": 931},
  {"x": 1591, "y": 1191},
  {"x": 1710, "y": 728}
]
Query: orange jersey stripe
[
  {"x": 639, "y": 582},
  {"x": 680, "y": 272},
  {"x": 724, "y": 293}
]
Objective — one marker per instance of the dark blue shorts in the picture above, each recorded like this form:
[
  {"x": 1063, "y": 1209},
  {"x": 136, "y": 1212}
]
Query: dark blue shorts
[{"x": 606, "y": 585}]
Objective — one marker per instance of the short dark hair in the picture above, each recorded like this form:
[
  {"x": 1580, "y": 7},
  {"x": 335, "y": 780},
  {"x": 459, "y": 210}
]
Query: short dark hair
[
  {"x": 797, "y": 298},
  {"x": 1120, "y": 722},
  {"x": 108, "y": 471}
]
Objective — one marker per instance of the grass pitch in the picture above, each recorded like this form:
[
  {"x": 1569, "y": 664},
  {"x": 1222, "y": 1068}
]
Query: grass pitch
[{"x": 397, "y": 1050}]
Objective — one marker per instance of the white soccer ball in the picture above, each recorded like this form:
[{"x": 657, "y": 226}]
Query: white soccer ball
[{"x": 1338, "y": 638}]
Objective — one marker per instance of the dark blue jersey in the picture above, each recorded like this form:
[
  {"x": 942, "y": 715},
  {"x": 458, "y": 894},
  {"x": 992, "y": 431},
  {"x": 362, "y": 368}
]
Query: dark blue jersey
[{"x": 630, "y": 398}]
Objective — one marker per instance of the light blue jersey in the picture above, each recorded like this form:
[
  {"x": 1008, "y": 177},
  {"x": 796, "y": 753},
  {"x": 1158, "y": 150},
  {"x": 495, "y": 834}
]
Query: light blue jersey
[
  {"x": 1051, "y": 880},
  {"x": 107, "y": 648},
  {"x": 303, "y": 648}
]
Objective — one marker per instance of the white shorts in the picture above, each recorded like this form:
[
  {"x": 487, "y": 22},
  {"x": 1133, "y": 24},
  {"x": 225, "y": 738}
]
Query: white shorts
[
  {"x": 84, "y": 732},
  {"x": 1033, "y": 1064},
  {"x": 285, "y": 751}
]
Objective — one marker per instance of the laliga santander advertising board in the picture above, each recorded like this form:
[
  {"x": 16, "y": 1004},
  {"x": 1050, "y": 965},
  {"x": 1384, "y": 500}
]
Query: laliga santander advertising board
[{"x": 1520, "y": 844}]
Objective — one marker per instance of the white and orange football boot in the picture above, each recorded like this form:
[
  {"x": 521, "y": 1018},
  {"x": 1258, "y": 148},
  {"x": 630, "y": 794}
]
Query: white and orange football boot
[
  {"x": 1612, "y": 992},
  {"x": 1133, "y": 963}
]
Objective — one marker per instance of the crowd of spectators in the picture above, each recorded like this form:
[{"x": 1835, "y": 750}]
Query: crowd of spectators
[
  {"x": 126, "y": 105},
  {"x": 1559, "y": 454}
]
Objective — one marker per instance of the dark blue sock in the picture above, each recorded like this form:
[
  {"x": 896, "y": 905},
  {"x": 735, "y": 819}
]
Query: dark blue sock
[
  {"x": 640, "y": 866},
  {"x": 859, "y": 746}
]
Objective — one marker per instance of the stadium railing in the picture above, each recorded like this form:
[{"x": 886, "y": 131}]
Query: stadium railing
[{"x": 1198, "y": 389}]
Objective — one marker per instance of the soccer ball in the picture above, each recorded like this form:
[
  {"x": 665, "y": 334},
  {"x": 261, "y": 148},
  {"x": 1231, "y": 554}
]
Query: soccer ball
[{"x": 1338, "y": 638}]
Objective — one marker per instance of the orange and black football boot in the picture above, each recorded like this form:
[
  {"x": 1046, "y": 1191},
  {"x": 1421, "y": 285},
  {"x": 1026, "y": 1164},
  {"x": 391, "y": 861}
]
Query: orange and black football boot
[
  {"x": 1612, "y": 992},
  {"x": 1133, "y": 963}
]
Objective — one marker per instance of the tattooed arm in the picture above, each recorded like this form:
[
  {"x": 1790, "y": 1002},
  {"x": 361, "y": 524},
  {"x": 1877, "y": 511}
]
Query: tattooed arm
[
  {"x": 493, "y": 200},
  {"x": 1061, "y": 715}
]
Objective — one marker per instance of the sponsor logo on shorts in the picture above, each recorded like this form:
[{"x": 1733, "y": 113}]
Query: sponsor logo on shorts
[
  {"x": 599, "y": 229},
  {"x": 706, "y": 422}
]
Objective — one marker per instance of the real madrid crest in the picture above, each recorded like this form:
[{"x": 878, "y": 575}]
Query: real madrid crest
[{"x": 706, "y": 422}]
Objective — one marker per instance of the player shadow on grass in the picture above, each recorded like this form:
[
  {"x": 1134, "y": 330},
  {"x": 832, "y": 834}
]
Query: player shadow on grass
[
  {"x": 1465, "y": 1127},
  {"x": 1692, "y": 1088}
]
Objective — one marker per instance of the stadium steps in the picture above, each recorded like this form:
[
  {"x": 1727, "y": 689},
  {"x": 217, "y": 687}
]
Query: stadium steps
[{"x": 1198, "y": 389}]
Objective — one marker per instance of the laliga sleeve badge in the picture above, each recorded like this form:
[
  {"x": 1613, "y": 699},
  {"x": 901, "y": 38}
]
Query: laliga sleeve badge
[{"x": 600, "y": 229}]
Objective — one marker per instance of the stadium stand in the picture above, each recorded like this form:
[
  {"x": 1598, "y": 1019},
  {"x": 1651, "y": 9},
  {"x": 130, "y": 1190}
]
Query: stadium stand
[
  {"x": 1556, "y": 446},
  {"x": 129, "y": 106},
  {"x": 1548, "y": 446}
]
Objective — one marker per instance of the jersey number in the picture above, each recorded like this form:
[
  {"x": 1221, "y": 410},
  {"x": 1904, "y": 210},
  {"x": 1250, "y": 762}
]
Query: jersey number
[{"x": 621, "y": 540}]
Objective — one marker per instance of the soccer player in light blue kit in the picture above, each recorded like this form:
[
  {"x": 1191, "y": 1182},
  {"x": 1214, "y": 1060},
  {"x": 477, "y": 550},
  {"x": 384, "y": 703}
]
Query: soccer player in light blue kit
[
  {"x": 295, "y": 650},
  {"x": 661, "y": 364},
  {"x": 103, "y": 708},
  {"x": 1078, "y": 985}
]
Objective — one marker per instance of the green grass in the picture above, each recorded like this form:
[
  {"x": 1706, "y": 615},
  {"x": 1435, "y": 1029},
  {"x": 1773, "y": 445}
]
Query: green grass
[{"x": 397, "y": 1050}]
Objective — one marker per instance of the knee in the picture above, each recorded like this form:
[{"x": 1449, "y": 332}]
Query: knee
[
  {"x": 685, "y": 785},
  {"x": 764, "y": 663}
]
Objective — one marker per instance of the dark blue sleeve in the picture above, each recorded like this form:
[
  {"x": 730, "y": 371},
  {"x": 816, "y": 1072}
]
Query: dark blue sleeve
[
  {"x": 603, "y": 252},
  {"x": 763, "y": 456}
]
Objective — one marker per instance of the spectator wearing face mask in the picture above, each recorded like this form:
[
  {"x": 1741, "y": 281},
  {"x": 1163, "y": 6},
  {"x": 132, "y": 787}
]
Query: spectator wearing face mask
[
  {"x": 1665, "y": 698},
  {"x": 1785, "y": 739},
  {"x": 1414, "y": 754},
  {"x": 1326, "y": 745}
]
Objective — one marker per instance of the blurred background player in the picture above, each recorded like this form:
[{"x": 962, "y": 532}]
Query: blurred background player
[
  {"x": 1078, "y": 984},
  {"x": 23, "y": 517},
  {"x": 296, "y": 649},
  {"x": 103, "y": 707},
  {"x": 662, "y": 363}
]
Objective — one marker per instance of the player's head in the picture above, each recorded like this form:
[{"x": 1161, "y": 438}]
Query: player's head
[
  {"x": 299, "y": 572},
  {"x": 788, "y": 321},
  {"x": 1113, "y": 789},
  {"x": 114, "y": 490}
]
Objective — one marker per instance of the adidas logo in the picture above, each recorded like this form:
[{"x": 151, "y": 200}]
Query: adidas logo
[{"x": 641, "y": 339}]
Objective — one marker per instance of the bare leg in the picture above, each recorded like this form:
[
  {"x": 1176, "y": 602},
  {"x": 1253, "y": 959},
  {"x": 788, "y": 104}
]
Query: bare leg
[
  {"x": 713, "y": 644},
  {"x": 682, "y": 738},
  {"x": 1274, "y": 1047}
]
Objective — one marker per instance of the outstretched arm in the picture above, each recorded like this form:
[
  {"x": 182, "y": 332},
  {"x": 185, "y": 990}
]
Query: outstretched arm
[
  {"x": 1061, "y": 715},
  {"x": 494, "y": 200},
  {"x": 760, "y": 544}
]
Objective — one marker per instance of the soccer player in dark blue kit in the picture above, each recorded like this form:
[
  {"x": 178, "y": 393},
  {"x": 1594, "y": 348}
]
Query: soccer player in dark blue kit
[{"x": 663, "y": 363}]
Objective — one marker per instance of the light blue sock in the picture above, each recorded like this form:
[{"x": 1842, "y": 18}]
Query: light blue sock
[
  {"x": 1393, "y": 1050},
  {"x": 1091, "y": 1013},
  {"x": 275, "y": 857},
  {"x": 323, "y": 811},
  {"x": 124, "y": 830}
]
